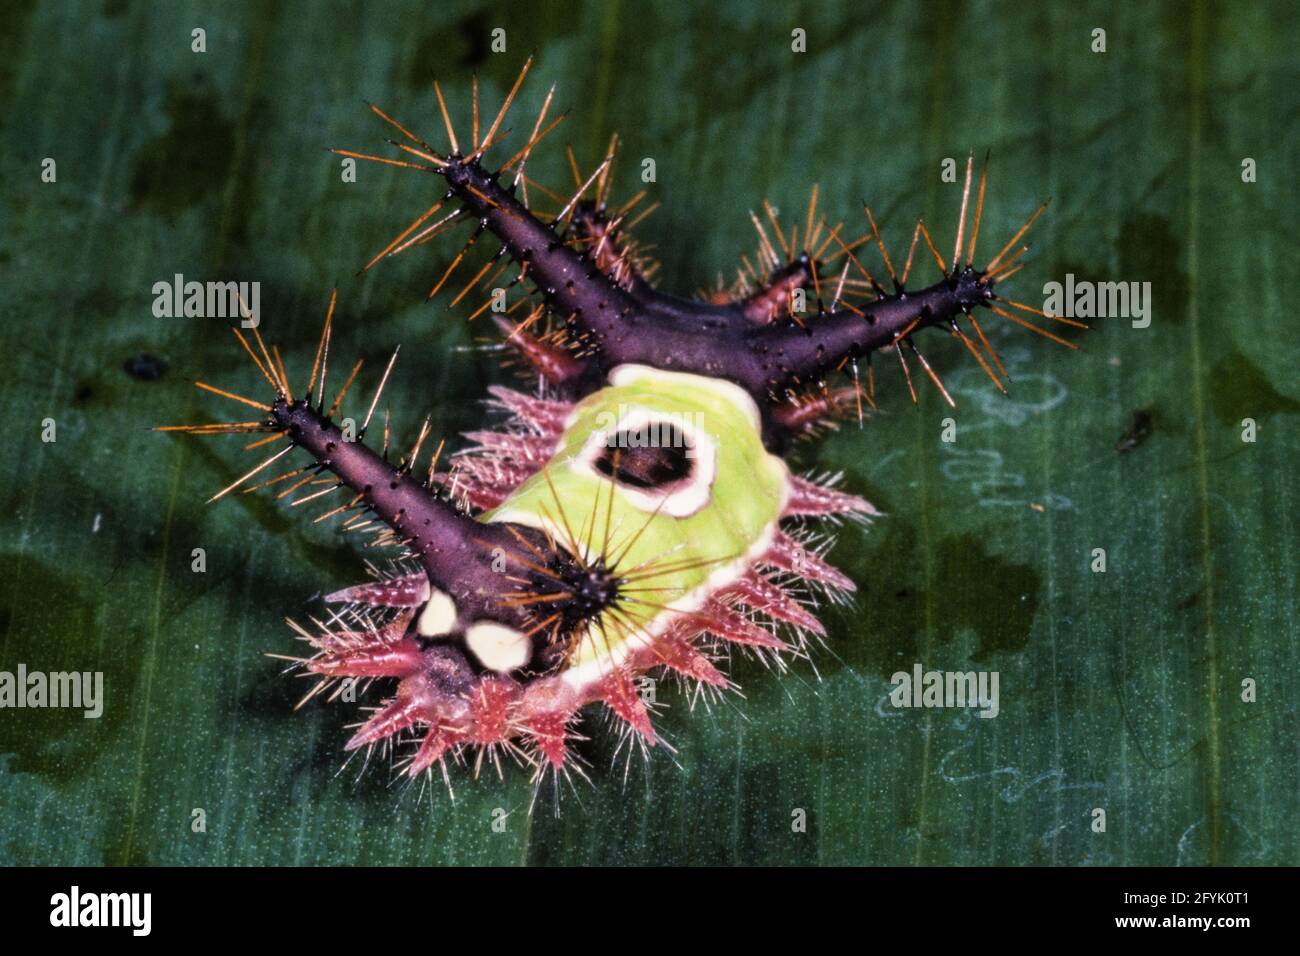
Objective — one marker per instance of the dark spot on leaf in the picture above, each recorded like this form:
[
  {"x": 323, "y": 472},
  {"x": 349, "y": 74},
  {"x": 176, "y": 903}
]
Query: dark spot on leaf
[
  {"x": 1149, "y": 250},
  {"x": 1242, "y": 390},
  {"x": 974, "y": 591},
  {"x": 188, "y": 163},
  {"x": 1082, "y": 272},
  {"x": 1138, "y": 431},
  {"x": 48, "y": 636},
  {"x": 476, "y": 30},
  {"x": 83, "y": 393},
  {"x": 994, "y": 597},
  {"x": 468, "y": 43},
  {"x": 145, "y": 367},
  {"x": 13, "y": 31}
]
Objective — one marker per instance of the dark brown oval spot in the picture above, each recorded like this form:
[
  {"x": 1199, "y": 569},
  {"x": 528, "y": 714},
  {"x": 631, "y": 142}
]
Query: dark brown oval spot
[{"x": 647, "y": 458}]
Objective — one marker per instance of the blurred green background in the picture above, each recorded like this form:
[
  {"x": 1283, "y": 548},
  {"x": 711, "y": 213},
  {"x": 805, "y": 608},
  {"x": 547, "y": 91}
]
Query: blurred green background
[{"x": 1119, "y": 690}]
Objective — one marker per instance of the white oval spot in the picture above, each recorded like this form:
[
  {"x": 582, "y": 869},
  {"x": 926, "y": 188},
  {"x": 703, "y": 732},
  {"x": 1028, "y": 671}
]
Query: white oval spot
[
  {"x": 497, "y": 647},
  {"x": 438, "y": 616}
]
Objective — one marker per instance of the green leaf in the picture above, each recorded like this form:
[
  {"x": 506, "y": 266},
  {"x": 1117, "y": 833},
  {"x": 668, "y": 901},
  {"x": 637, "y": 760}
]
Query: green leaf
[{"x": 1119, "y": 690}]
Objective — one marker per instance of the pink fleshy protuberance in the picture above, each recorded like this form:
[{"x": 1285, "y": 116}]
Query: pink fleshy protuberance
[
  {"x": 549, "y": 731},
  {"x": 787, "y": 554},
  {"x": 373, "y": 659},
  {"x": 726, "y": 623},
  {"x": 677, "y": 653},
  {"x": 490, "y": 710},
  {"x": 544, "y": 415},
  {"x": 813, "y": 499},
  {"x": 513, "y": 446},
  {"x": 406, "y": 591},
  {"x": 763, "y": 595},
  {"x": 622, "y": 697},
  {"x": 484, "y": 483},
  {"x": 498, "y": 462},
  {"x": 438, "y": 742},
  {"x": 393, "y": 717}
]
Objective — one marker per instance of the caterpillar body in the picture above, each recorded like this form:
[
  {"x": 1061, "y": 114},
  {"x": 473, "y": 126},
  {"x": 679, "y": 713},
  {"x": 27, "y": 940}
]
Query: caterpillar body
[{"x": 635, "y": 515}]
